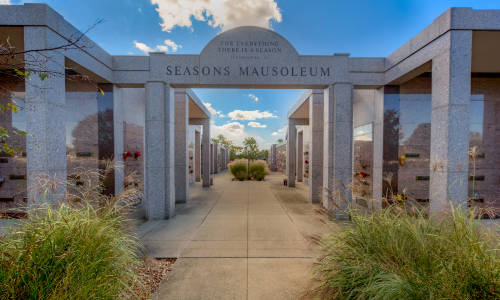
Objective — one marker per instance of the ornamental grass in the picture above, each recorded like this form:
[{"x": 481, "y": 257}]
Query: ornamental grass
[
  {"x": 239, "y": 169},
  {"x": 79, "y": 249},
  {"x": 392, "y": 254}
]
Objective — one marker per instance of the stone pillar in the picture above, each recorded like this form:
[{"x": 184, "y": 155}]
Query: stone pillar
[
  {"x": 328, "y": 185},
  {"x": 181, "y": 146},
  {"x": 197, "y": 156},
  {"x": 451, "y": 88},
  {"x": 211, "y": 158},
  {"x": 300, "y": 155},
  {"x": 378, "y": 148},
  {"x": 216, "y": 158},
  {"x": 159, "y": 189},
  {"x": 46, "y": 118},
  {"x": 316, "y": 149},
  {"x": 205, "y": 141},
  {"x": 119, "y": 164},
  {"x": 273, "y": 158},
  {"x": 337, "y": 148},
  {"x": 291, "y": 156},
  {"x": 223, "y": 158}
]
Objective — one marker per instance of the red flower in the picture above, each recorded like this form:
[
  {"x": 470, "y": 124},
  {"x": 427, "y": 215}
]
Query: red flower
[
  {"x": 363, "y": 175},
  {"x": 137, "y": 154},
  {"x": 125, "y": 155}
]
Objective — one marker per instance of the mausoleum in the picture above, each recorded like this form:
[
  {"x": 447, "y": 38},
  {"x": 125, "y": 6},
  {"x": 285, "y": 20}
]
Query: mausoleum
[{"x": 420, "y": 123}]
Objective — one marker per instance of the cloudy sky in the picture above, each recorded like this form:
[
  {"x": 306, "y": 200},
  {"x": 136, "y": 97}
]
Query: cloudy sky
[{"x": 359, "y": 27}]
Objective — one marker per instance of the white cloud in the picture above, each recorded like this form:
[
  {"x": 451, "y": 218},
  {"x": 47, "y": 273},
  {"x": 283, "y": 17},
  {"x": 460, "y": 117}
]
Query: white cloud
[
  {"x": 213, "y": 111},
  {"x": 143, "y": 47},
  {"x": 233, "y": 131},
  {"x": 250, "y": 115},
  {"x": 253, "y": 97},
  {"x": 224, "y": 14},
  {"x": 256, "y": 125},
  {"x": 5, "y": 2},
  {"x": 166, "y": 47},
  {"x": 169, "y": 45},
  {"x": 280, "y": 132}
]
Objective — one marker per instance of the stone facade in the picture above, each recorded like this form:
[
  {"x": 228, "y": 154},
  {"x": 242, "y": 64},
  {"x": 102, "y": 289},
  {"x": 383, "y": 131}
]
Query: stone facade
[{"x": 425, "y": 154}]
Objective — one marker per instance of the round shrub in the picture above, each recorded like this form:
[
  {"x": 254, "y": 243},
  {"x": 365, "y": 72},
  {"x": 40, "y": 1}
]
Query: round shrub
[
  {"x": 258, "y": 172},
  {"x": 239, "y": 170}
]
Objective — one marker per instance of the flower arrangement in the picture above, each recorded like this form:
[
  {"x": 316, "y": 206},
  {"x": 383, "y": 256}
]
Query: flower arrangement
[
  {"x": 402, "y": 160},
  {"x": 136, "y": 155},
  {"x": 126, "y": 154}
]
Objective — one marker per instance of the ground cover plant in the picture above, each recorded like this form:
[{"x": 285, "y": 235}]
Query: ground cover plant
[{"x": 392, "y": 254}]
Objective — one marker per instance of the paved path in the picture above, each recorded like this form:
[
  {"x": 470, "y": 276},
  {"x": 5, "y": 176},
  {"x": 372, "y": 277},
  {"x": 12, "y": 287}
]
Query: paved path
[{"x": 239, "y": 240}]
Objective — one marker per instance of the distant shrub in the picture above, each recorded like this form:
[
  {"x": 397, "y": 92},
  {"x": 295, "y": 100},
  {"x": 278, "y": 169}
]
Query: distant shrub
[
  {"x": 258, "y": 171},
  {"x": 238, "y": 169},
  {"x": 388, "y": 255}
]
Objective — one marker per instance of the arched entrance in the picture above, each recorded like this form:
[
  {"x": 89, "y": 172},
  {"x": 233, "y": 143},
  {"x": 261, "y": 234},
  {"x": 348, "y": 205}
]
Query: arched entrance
[{"x": 247, "y": 57}]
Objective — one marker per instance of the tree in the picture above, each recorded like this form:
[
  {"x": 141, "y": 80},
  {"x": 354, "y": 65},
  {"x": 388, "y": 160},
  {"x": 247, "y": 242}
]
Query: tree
[
  {"x": 263, "y": 154},
  {"x": 280, "y": 141},
  {"x": 251, "y": 148}
]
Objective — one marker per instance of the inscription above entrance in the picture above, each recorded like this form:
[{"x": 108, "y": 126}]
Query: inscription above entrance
[{"x": 247, "y": 56}]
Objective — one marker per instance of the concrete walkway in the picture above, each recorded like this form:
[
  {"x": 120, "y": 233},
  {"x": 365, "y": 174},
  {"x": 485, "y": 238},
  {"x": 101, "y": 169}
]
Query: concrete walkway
[{"x": 239, "y": 240}]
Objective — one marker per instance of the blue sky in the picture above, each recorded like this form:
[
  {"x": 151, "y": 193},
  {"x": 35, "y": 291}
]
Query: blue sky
[{"x": 359, "y": 27}]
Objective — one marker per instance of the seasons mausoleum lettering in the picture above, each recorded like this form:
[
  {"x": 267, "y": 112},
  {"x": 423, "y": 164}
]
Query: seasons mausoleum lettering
[{"x": 249, "y": 71}]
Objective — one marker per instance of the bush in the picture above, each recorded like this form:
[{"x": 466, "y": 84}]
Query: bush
[
  {"x": 238, "y": 169},
  {"x": 68, "y": 253},
  {"x": 391, "y": 255},
  {"x": 257, "y": 171}
]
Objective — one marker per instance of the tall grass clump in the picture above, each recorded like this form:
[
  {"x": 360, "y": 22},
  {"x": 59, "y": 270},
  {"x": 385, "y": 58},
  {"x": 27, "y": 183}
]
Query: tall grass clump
[
  {"x": 79, "y": 249},
  {"x": 395, "y": 255},
  {"x": 243, "y": 169},
  {"x": 258, "y": 170},
  {"x": 238, "y": 169}
]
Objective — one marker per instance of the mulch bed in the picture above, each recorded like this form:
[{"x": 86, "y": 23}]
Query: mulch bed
[{"x": 150, "y": 274}]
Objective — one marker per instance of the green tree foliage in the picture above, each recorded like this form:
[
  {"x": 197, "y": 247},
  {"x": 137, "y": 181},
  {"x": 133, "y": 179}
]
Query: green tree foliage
[
  {"x": 228, "y": 144},
  {"x": 263, "y": 154},
  {"x": 251, "y": 148}
]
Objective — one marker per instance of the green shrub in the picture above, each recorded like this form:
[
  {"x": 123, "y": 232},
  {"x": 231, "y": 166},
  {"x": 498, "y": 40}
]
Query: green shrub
[
  {"x": 391, "y": 255},
  {"x": 68, "y": 253},
  {"x": 257, "y": 172},
  {"x": 238, "y": 169}
]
